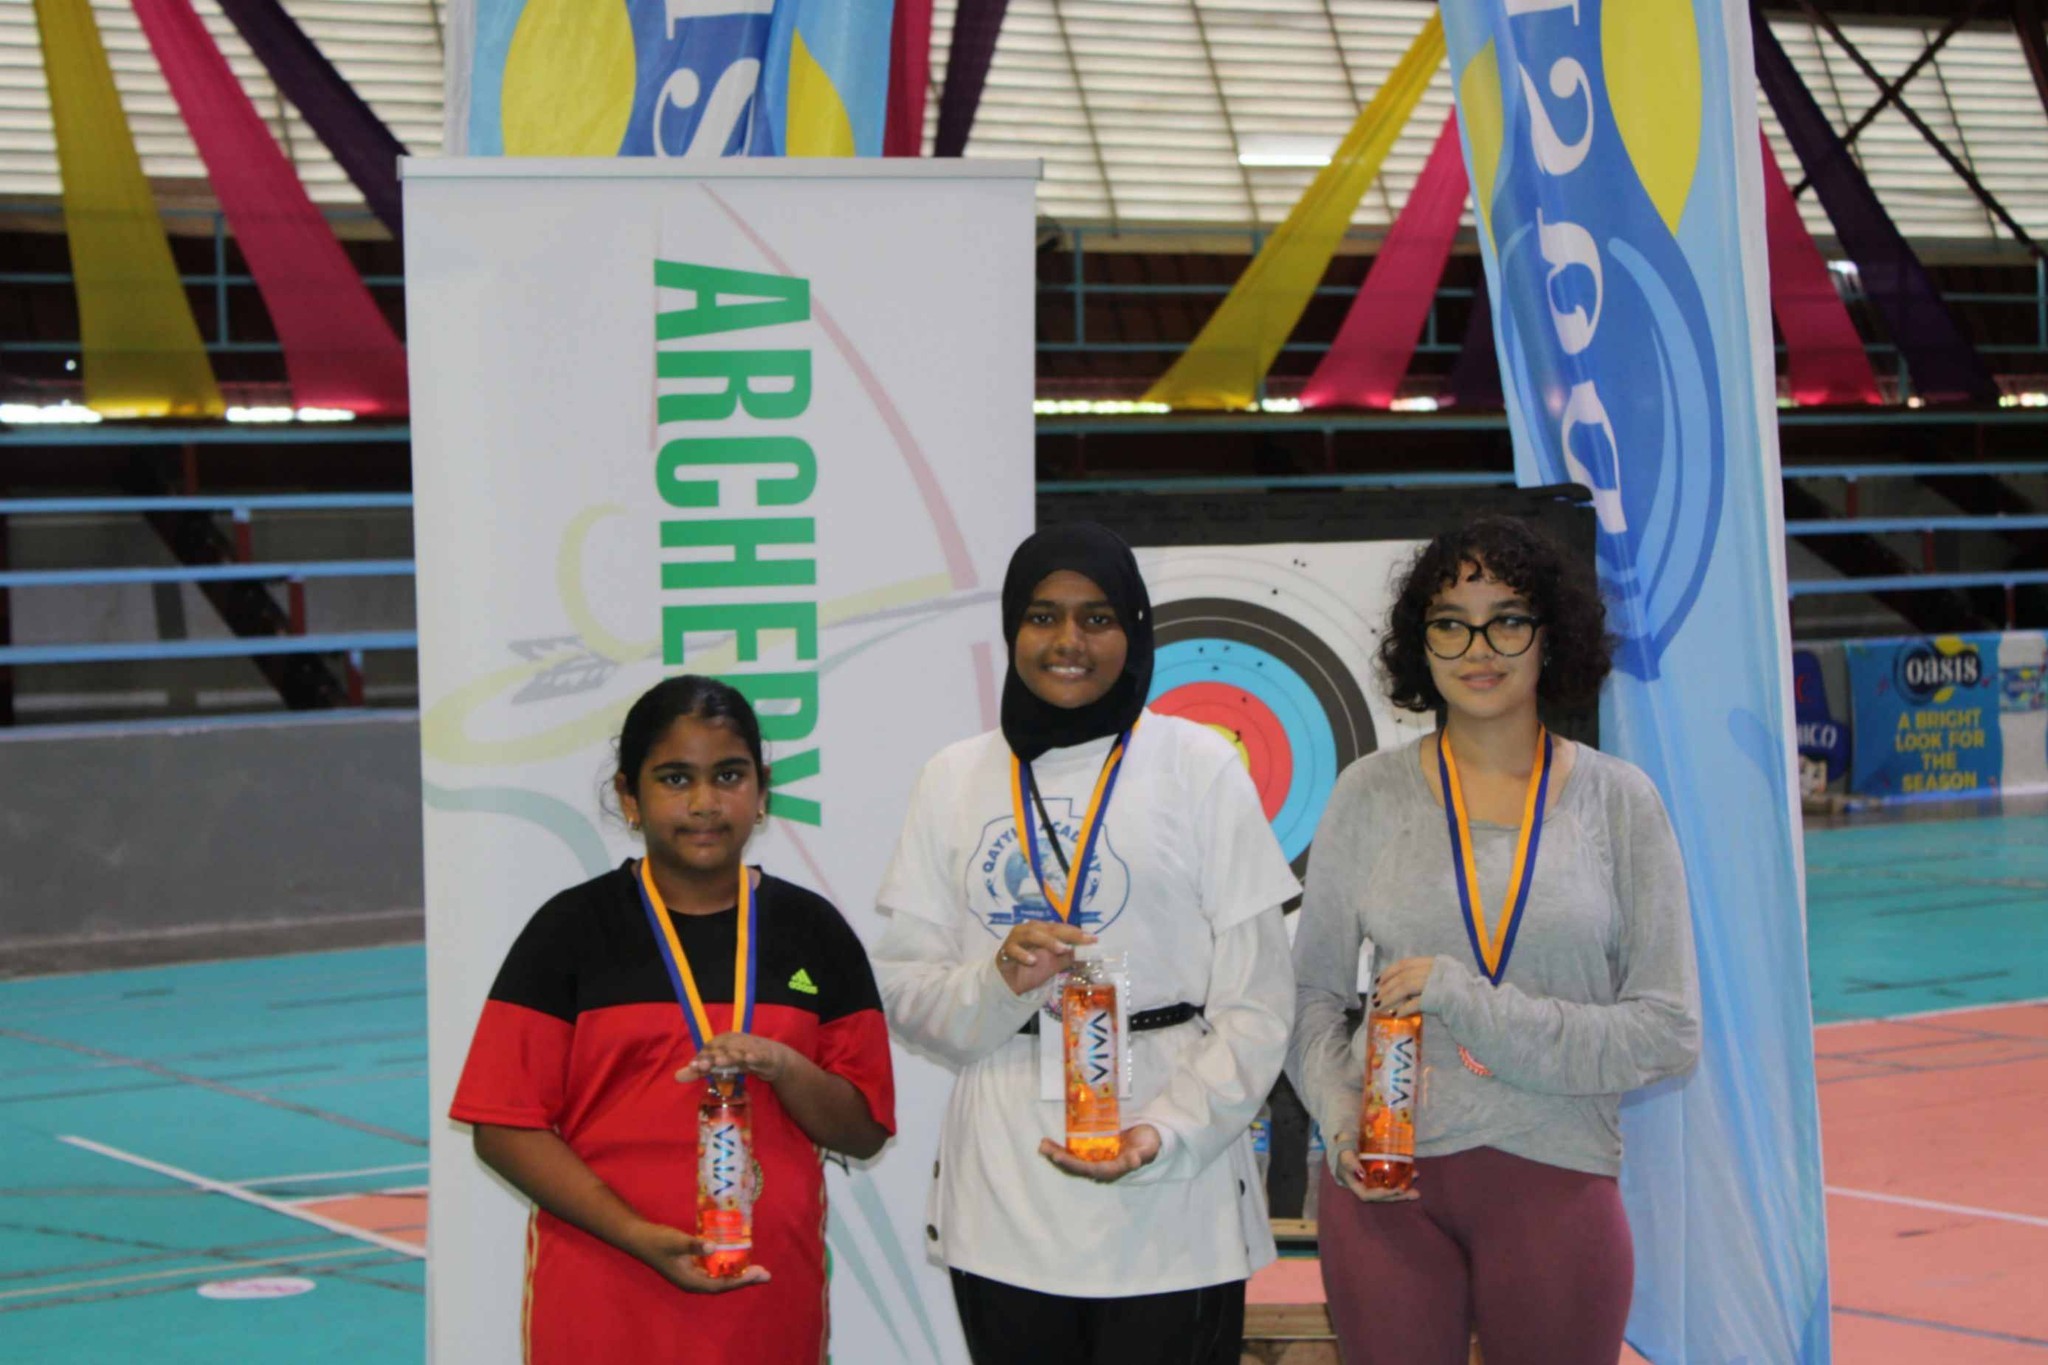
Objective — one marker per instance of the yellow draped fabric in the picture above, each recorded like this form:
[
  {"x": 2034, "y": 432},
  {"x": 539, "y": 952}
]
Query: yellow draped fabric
[
  {"x": 143, "y": 355},
  {"x": 1224, "y": 365}
]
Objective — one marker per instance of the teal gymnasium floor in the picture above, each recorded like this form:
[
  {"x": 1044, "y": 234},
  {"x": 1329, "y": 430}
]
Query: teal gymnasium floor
[{"x": 247, "y": 1088}]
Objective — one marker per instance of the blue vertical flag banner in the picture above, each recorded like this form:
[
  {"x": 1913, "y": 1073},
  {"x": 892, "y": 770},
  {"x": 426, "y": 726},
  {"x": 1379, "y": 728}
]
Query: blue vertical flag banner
[
  {"x": 1949, "y": 715},
  {"x": 668, "y": 77},
  {"x": 1612, "y": 148}
]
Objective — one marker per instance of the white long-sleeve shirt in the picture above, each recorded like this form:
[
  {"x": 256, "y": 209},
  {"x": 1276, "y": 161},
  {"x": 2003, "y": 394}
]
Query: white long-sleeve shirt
[{"x": 1188, "y": 883}]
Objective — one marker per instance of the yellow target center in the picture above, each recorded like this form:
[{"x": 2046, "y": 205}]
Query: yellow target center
[{"x": 1244, "y": 755}]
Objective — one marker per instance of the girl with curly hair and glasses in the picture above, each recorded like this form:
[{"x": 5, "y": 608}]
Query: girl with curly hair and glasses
[{"x": 1524, "y": 895}]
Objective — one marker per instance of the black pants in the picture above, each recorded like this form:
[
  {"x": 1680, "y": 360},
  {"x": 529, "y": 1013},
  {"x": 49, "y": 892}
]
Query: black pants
[{"x": 1006, "y": 1325}]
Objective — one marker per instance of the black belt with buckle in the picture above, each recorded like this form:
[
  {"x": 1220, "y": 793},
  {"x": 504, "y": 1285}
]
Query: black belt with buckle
[{"x": 1166, "y": 1016}]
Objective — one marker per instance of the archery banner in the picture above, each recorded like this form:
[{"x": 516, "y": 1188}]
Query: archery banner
[{"x": 764, "y": 420}]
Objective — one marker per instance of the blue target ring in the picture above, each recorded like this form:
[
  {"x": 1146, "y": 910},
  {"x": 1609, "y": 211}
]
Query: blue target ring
[
  {"x": 1297, "y": 711},
  {"x": 1311, "y": 741}
]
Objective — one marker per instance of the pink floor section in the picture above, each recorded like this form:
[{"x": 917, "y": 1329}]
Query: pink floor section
[
  {"x": 1937, "y": 1199},
  {"x": 398, "y": 1215},
  {"x": 1947, "y": 1111}
]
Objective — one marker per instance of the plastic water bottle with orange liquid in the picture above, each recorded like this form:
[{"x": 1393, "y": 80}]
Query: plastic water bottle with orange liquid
[
  {"x": 1088, "y": 1025},
  {"x": 725, "y": 1174},
  {"x": 1393, "y": 1081}
]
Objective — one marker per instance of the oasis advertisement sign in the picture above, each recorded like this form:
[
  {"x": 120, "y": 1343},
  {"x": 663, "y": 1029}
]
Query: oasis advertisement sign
[{"x": 1949, "y": 715}]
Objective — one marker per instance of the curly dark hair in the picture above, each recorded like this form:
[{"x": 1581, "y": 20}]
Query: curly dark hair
[{"x": 1578, "y": 651}]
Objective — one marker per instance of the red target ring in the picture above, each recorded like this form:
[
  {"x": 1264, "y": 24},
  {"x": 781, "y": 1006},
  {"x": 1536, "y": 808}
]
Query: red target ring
[{"x": 1240, "y": 715}]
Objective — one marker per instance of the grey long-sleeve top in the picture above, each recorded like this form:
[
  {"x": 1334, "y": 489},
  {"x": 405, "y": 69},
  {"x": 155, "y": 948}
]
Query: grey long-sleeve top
[{"x": 1600, "y": 995}]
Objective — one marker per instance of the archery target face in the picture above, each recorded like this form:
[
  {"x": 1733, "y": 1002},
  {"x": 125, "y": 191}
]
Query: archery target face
[{"x": 1272, "y": 646}]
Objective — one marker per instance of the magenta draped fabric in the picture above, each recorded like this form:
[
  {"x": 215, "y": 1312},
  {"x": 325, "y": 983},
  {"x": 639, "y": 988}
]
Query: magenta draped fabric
[
  {"x": 1824, "y": 357},
  {"x": 1365, "y": 365},
  {"x": 342, "y": 119},
  {"x": 910, "y": 74},
  {"x": 339, "y": 350}
]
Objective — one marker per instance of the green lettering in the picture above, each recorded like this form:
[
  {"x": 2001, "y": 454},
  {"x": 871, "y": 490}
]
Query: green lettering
[
  {"x": 745, "y": 620},
  {"x": 793, "y": 695},
  {"x": 738, "y": 373},
  {"x": 794, "y": 768},
  {"x": 774, "y": 299},
  {"x": 711, "y": 451},
  {"x": 745, "y": 569}
]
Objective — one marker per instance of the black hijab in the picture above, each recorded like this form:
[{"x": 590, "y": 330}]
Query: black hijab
[{"x": 1031, "y": 724}]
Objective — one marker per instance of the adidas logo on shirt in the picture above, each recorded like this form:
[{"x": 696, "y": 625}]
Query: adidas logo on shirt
[{"x": 802, "y": 982}]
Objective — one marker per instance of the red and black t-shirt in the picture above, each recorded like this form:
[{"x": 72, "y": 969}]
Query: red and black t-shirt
[{"x": 583, "y": 1034}]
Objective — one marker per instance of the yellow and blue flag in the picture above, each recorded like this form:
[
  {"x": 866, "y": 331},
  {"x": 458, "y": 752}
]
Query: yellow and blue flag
[
  {"x": 669, "y": 77},
  {"x": 828, "y": 77},
  {"x": 1619, "y": 200}
]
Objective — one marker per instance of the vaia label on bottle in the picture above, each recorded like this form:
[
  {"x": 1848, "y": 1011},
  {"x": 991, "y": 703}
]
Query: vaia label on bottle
[
  {"x": 1095, "y": 1049},
  {"x": 1394, "y": 1071},
  {"x": 722, "y": 1163}
]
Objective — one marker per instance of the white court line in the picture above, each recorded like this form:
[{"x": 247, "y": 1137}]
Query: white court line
[
  {"x": 311, "y": 1176},
  {"x": 1911, "y": 1015},
  {"x": 217, "y": 1268},
  {"x": 2028, "y": 1219},
  {"x": 260, "y": 1201},
  {"x": 394, "y": 1191}
]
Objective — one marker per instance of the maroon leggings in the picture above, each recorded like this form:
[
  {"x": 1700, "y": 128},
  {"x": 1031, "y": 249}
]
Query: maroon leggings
[{"x": 1537, "y": 1258}]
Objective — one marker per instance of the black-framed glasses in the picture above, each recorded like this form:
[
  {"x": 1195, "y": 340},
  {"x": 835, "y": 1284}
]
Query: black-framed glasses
[{"x": 1509, "y": 635}]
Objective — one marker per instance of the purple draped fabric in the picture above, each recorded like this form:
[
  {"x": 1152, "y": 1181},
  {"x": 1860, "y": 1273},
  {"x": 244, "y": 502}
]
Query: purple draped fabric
[
  {"x": 976, "y": 24},
  {"x": 360, "y": 142},
  {"x": 1944, "y": 366},
  {"x": 1475, "y": 378}
]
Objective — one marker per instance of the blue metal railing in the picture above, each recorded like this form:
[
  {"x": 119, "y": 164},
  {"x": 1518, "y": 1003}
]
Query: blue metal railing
[
  {"x": 1918, "y": 582},
  {"x": 208, "y": 573},
  {"x": 251, "y": 434},
  {"x": 206, "y": 502},
  {"x": 1886, "y": 526},
  {"x": 1196, "y": 483},
  {"x": 218, "y": 279},
  {"x": 1077, "y": 287},
  {"x": 242, "y": 506},
  {"x": 1079, "y": 290},
  {"x": 353, "y": 644},
  {"x": 1251, "y": 482}
]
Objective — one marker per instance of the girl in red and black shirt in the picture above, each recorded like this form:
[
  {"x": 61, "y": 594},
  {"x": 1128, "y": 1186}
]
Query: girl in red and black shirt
[{"x": 583, "y": 1081}]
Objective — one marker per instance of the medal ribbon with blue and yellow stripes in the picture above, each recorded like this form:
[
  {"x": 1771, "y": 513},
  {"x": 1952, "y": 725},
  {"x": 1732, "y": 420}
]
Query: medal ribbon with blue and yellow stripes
[
  {"x": 744, "y": 965},
  {"x": 1492, "y": 945},
  {"x": 1091, "y": 826}
]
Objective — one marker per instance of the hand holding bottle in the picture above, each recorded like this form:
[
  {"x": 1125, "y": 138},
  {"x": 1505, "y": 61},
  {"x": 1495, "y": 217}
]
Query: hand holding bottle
[
  {"x": 673, "y": 1254},
  {"x": 1036, "y": 951},
  {"x": 1345, "y": 1166},
  {"x": 1398, "y": 991},
  {"x": 1138, "y": 1146},
  {"x": 748, "y": 1052}
]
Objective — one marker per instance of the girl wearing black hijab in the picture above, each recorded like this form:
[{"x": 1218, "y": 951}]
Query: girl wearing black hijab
[{"x": 1154, "y": 823}]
